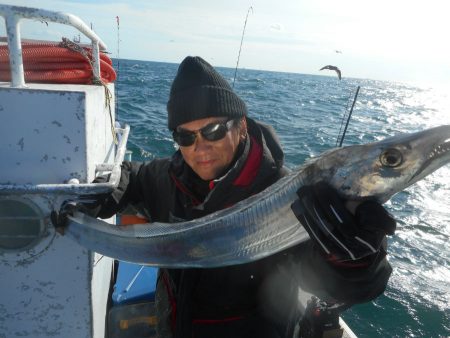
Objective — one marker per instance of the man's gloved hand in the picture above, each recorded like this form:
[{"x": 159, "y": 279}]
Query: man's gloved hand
[
  {"x": 59, "y": 218},
  {"x": 342, "y": 236},
  {"x": 89, "y": 204}
]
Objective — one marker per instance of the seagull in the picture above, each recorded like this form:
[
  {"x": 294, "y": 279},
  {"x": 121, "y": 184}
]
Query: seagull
[{"x": 336, "y": 69}]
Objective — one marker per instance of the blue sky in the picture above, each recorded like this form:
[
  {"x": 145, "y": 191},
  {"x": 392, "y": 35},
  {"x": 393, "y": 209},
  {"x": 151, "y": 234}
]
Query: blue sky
[{"x": 396, "y": 40}]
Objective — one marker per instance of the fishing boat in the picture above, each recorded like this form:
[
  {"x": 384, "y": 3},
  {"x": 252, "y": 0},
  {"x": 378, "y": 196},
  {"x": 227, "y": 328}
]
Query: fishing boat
[{"x": 59, "y": 132}]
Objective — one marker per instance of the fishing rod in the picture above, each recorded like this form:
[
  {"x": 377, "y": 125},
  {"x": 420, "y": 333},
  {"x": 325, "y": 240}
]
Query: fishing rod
[
  {"x": 242, "y": 40},
  {"x": 348, "y": 120},
  {"x": 342, "y": 121}
]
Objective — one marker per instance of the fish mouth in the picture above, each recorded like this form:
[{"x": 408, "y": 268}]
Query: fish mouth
[{"x": 436, "y": 153}]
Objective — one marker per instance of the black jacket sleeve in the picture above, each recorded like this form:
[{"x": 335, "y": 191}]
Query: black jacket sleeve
[
  {"x": 128, "y": 190},
  {"x": 145, "y": 185}
]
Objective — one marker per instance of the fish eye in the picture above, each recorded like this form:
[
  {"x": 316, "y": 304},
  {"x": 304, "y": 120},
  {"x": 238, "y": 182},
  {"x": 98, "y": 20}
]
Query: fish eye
[{"x": 391, "y": 158}]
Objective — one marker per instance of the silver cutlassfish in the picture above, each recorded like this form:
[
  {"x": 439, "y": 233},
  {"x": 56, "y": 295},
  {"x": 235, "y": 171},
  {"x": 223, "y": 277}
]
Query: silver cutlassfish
[{"x": 264, "y": 223}]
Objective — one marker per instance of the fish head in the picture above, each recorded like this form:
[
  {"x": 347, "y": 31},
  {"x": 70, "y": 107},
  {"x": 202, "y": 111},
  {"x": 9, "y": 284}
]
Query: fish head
[{"x": 381, "y": 169}]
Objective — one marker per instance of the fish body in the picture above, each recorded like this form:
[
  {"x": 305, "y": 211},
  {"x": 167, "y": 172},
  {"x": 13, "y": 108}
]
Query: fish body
[{"x": 264, "y": 224}]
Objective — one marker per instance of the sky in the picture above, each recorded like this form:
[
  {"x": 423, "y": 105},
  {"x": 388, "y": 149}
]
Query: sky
[{"x": 393, "y": 40}]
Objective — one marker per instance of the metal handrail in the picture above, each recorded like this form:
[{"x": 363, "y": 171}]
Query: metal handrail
[
  {"x": 13, "y": 15},
  {"x": 82, "y": 188}
]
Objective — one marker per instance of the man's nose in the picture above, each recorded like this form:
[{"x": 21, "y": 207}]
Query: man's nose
[{"x": 200, "y": 143}]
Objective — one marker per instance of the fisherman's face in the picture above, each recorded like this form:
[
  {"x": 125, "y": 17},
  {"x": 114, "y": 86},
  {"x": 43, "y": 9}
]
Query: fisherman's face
[{"x": 209, "y": 159}]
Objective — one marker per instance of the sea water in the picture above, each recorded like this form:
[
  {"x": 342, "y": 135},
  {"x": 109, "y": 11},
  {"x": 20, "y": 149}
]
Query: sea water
[{"x": 307, "y": 113}]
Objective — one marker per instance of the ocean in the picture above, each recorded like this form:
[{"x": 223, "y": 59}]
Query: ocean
[{"x": 307, "y": 113}]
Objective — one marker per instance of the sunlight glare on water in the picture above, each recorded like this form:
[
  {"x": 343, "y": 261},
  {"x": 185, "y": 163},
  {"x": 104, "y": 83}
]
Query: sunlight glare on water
[{"x": 420, "y": 250}]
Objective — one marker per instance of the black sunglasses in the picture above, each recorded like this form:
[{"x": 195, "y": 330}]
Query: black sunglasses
[{"x": 211, "y": 132}]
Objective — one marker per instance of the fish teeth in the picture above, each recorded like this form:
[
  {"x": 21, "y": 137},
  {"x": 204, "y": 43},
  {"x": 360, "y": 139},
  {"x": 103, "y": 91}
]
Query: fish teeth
[{"x": 440, "y": 149}]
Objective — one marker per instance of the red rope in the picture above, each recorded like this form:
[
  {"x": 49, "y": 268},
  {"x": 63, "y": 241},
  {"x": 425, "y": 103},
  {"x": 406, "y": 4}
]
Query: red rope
[{"x": 48, "y": 63}]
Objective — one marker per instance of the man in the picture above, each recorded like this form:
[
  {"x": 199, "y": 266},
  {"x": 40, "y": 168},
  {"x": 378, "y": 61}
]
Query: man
[{"x": 224, "y": 157}]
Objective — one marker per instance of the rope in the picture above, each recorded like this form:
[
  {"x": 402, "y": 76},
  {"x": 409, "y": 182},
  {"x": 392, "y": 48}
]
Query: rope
[
  {"x": 108, "y": 97},
  {"x": 96, "y": 80}
]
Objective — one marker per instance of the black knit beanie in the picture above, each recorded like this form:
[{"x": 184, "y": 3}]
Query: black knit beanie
[{"x": 199, "y": 91}]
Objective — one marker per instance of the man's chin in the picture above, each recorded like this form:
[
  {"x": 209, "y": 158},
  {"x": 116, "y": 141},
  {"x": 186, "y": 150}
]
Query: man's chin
[
  {"x": 207, "y": 175},
  {"x": 207, "y": 171}
]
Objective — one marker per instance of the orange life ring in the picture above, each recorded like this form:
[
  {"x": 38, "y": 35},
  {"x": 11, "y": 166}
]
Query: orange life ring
[{"x": 49, "y": 63}]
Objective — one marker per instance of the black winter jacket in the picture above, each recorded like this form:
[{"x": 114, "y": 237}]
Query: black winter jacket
[{"x": 256, "y": 299}]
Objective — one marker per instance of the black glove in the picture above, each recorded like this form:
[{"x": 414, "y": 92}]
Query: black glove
[
  {"x": 342, "y": 236},
  {"x": 59, "y": 218},
  {"x": 89, "y": 204}
]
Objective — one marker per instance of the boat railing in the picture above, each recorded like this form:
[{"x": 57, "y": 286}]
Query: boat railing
[{"x": 14, "y": 14}]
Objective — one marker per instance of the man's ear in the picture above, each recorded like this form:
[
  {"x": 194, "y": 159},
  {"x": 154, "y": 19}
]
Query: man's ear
[{"x": 243, "y": 129}]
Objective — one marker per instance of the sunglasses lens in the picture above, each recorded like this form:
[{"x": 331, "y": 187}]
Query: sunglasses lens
[
  {"x": 214, "y": 132},
  {"x": 184, "y": 139}
]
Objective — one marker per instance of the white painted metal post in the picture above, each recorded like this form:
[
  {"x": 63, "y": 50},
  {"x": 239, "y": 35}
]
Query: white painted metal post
[
  {"x": 96, "y": 59},
  {"x": 15, "y": 50}
]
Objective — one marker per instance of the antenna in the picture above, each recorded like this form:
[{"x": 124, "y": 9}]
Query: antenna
[
  {"x": 242, "y": 40},
  {"x": 118, "y": 37}
]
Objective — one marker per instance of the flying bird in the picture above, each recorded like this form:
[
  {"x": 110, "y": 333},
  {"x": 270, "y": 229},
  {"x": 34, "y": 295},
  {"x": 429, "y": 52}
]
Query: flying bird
[{"x": 336, "y": 69}]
